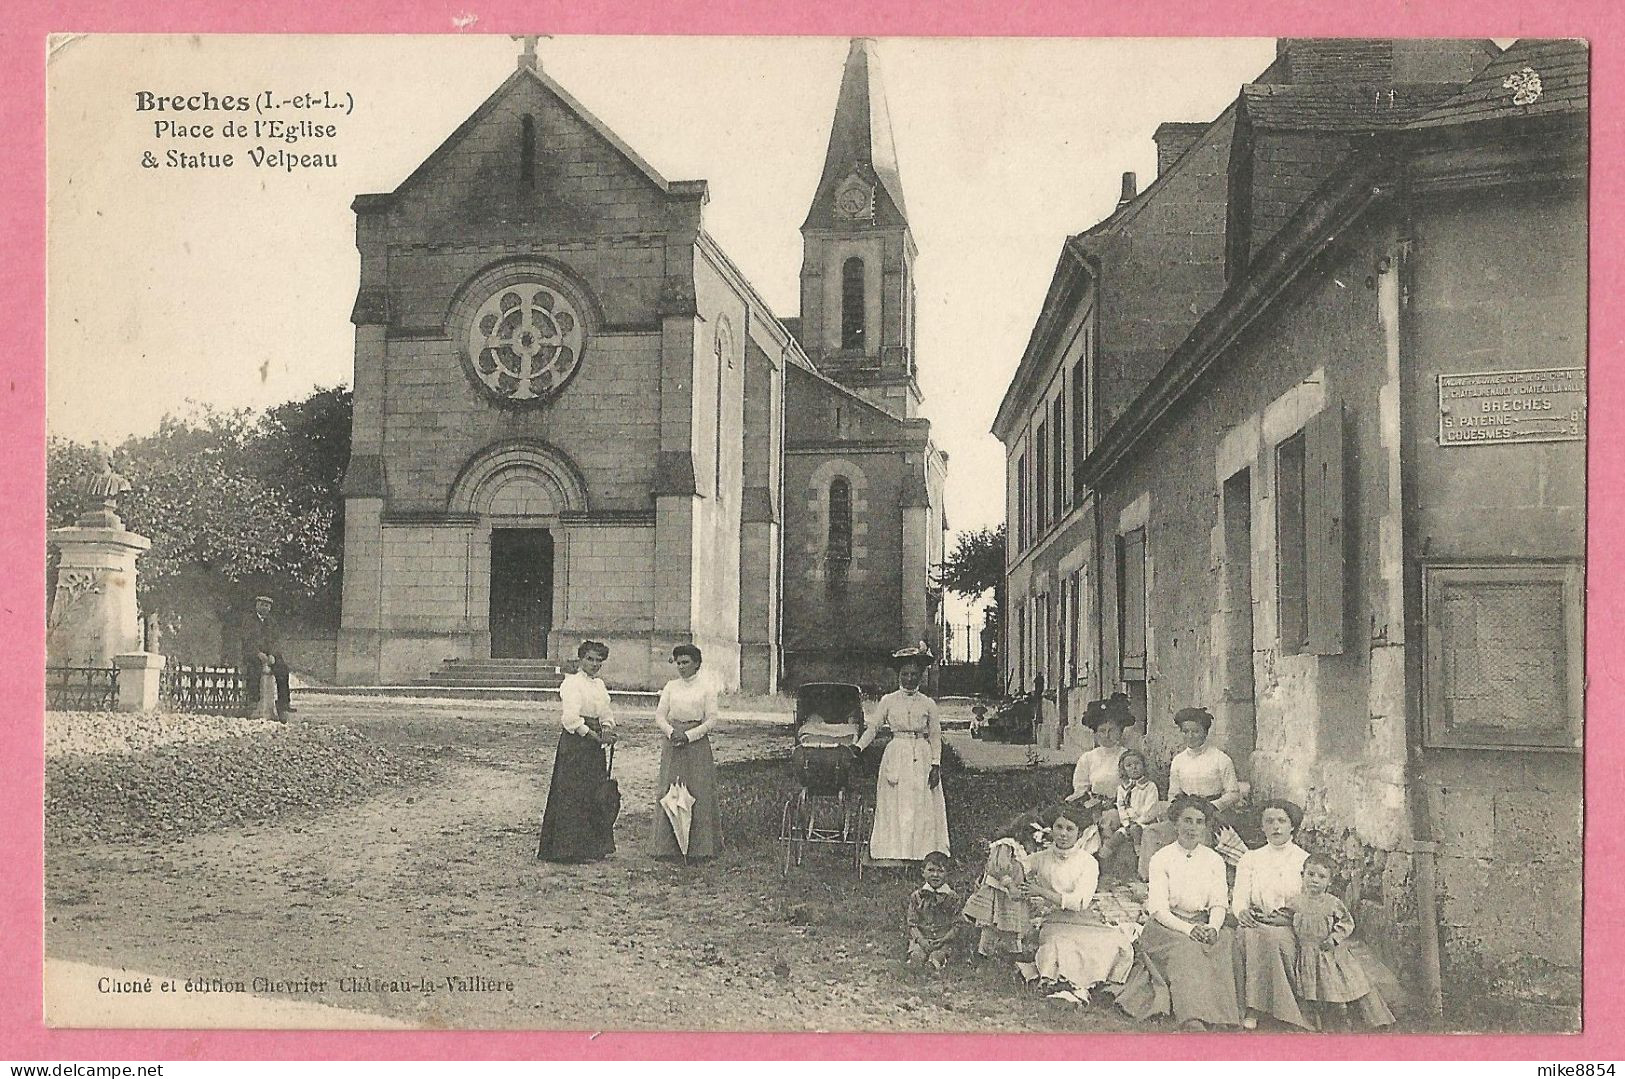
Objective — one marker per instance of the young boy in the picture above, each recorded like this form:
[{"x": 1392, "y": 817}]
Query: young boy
[{"x": 933, "y": 914}]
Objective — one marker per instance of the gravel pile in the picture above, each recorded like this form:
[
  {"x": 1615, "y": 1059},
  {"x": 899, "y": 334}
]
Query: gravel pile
[
  {"x": 80, "y": 734},
  {"x": 176, "y": 788}
]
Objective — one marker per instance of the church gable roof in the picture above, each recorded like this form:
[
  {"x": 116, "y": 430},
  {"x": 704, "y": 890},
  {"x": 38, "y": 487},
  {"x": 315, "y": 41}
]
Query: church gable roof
[
  {"x": 579, "y": 170},
  {"x": 861, "y": 150}
]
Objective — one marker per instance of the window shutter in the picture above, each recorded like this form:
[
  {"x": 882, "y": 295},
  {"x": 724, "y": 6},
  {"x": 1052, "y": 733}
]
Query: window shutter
[
  {"x": 1131, "y": 607},
  {"x": 1326, "y": 535}
]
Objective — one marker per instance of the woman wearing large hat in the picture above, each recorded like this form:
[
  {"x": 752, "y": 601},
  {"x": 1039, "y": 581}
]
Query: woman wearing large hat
[
  {"x": 911, "y": 819},
  {"x": 1094, "y": 780}
]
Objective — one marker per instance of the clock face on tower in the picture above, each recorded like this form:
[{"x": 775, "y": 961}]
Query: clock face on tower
[
  {"x": 855, "y": 198},
  {"x": 525, "y": 342}
]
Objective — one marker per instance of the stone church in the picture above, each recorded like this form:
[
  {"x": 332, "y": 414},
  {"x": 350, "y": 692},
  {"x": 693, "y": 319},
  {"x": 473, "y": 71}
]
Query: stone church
[{"x": 575, "y": 417}]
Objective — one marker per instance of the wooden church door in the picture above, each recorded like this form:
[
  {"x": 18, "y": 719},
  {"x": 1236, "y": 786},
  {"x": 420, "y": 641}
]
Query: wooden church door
[{"x": 521, "y": 592}]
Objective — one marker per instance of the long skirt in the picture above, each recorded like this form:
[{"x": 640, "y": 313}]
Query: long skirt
[
  {"x": 1173, "y": 974},
  {"x": 911, "y": 819},
  {"x": 696, "y": 766},
  {"x": 574, "y": 828},
  {"x": 1081, "y": 952},
  {"x": 1265, "y": 958}
]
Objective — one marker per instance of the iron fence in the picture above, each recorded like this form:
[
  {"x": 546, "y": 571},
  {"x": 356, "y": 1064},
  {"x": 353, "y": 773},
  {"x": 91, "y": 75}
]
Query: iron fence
[
  {"x": 185, "y": 688},
  {"x": 81, "y": 689}
]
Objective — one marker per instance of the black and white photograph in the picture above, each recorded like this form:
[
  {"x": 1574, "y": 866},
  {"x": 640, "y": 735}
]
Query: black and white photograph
[{"x": 873, "y": 534}]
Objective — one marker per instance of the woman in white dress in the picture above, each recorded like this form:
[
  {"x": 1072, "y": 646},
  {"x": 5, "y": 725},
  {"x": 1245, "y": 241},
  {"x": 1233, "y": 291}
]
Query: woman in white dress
[
  {"x": 1074, "y": 944},
  {"x": 1266, "y": 881},
  {"x": 911, "y": 818}
]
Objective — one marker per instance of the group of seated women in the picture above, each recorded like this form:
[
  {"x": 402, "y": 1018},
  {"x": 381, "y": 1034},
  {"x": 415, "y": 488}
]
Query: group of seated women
[{"x": 1272, "y": 945}]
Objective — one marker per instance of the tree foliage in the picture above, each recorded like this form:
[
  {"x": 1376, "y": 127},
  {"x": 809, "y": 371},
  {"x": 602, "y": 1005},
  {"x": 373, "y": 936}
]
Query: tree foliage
[
  {"x": 253, "y": 501},
  {"x": 976, "y": 565}
]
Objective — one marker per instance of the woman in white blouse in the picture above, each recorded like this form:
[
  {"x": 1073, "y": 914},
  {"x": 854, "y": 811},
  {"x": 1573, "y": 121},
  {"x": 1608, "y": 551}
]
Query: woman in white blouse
[
  {"x": 911, "y": 816},
  {"x": 686, "y": 714},
  {"x": 1184, "y": 962},
  {"x": 1266, "y": 879},
  {"x": 1200, "y": 769},
  {"x": 574, "y": 825},
  {"x": 1094, "y": 780},
  {"x": 1074, "y": 944}
]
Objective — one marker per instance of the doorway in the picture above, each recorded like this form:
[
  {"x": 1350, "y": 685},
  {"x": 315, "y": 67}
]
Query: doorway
[{"x": 521, "y": 592}]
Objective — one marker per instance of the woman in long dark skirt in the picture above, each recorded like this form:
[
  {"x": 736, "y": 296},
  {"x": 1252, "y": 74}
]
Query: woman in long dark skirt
[
  {"x": 575, "y": 827},
  {"x": 686, "y": 715}
]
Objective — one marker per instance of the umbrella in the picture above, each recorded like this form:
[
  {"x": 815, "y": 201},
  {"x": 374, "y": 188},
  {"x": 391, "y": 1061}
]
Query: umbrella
[{"x": 679, "y": 807}]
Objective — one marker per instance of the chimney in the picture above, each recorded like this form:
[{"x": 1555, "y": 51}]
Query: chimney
[
  {"x": 1129, "y": 190},
  {"x": 1173, "y": 140}
]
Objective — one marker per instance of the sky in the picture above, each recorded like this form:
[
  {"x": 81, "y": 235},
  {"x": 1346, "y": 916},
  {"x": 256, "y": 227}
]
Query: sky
[{"x": 233, "y": 286}]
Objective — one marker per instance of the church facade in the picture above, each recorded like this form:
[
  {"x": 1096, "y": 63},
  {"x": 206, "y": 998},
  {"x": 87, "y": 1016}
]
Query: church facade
[{"x": 575, "y": 417}]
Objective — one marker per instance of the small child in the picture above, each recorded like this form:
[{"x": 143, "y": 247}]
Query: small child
[
  {"x": 1330, "y": 977},
  {"x": 996, "y": 908},
  {"x": 1138, "y": 803},
  {"x": 933, "y": 914}
]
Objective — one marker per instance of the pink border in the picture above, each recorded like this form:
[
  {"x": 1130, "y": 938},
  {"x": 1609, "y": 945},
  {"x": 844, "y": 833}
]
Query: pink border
[{"x": 21, "y": 487}]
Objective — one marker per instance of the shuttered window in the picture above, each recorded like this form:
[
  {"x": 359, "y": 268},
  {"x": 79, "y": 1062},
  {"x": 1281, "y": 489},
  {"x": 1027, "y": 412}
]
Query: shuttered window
[
  {"x": 852, "y": 301},
  {"x": 1041, "y": 477},
  {"x": 1131, "y": 605},
  {"x": 1311, "y": 557}
]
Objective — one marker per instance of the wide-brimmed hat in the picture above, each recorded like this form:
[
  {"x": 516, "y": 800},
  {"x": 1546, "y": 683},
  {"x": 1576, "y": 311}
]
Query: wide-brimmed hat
[
  {"x": 916, "y": 655},
  {"x": 1102, "y": 712}
]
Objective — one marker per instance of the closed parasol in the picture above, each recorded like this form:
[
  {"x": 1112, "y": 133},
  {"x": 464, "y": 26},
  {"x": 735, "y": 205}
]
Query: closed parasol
[{"x": 679, "y": 807}]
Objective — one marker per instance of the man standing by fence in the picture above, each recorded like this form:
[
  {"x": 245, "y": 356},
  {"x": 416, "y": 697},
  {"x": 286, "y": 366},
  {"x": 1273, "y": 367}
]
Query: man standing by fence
[{"x": 262, "y": 649}]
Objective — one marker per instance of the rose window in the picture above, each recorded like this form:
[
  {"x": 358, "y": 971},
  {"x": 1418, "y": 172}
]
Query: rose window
[{"x": 525, "y": 342}]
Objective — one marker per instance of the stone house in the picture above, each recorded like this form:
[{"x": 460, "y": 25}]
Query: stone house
[
  {"x": 575, "y": 417},
  {"x": 1345, "y": 512}
]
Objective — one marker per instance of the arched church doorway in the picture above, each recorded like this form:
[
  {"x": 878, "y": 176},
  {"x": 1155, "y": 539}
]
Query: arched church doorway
[{"x": 521, "y": 592}]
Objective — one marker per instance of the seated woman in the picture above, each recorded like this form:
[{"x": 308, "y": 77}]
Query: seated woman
[
  {"x": 1201, "y": 770},
  {"x": 1075, "y": 945},
  {"x": 1184, "y": 962},
  {"x": 1266, "y": 881},
  {"x": 1094, "y": 780}
]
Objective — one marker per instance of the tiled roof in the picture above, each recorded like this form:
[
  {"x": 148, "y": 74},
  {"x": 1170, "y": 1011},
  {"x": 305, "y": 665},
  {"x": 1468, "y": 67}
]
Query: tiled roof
[
  {"x": 1347, "y": 107},
  {"x": 1562, "y": 66}
]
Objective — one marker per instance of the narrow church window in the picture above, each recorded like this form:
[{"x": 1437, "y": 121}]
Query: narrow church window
[
  {"x": 527, "y": 152},
  {"x": 840, "y": 520},
  {"x": 852, "y": 303}
]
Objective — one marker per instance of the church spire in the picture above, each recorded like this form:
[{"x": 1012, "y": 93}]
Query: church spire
[{"x": 860, "y": 182}]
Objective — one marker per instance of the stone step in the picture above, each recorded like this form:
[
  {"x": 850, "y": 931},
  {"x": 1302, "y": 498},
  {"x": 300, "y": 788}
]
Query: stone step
[
  {"x": 495, "y": 678},
  {"x": 631, "y": 697},
  {"x": 504, "y": 666}
]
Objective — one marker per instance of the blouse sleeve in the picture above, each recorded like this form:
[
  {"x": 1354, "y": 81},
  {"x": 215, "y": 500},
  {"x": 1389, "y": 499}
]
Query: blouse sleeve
[
  {"x": 663, "y": 709},
  {"x": 872, "y": 722},
  {"x": 1176, "y": 781},
  {"x": 607, "y": 706},
  {"x": 933, "y": 731},
  {"x": 570, "y": 702},
  {"x": 709, "y": 714},
  {"x": 1232, "y": 784},
  {"x": 1241, "y": 898},
  {"x": 1218, "y": 901},
  {"x": 1157, "y": 903},
  {"x": 1080, "y": 777},
  {"x": 1082, "y": 891}
]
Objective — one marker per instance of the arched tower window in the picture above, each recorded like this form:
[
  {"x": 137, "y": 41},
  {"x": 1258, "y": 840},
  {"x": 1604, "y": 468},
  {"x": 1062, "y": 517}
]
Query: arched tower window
[
  {"x": 527, "y": 152},
  {"x": 840, "y": 520},
  {"x": 852, "y": 326}
]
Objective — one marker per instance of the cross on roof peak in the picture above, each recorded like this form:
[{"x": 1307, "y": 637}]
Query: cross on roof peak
[{"x": 527, "y": 58}]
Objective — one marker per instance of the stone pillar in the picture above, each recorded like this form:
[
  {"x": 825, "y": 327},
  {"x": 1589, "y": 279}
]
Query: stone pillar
[
  {"x": 139, "y": 675},
  {"x": 93, "y": 613}
]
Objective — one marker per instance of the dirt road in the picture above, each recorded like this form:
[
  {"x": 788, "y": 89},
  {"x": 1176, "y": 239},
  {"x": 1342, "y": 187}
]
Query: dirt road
[{"x": 426, "y": 905}]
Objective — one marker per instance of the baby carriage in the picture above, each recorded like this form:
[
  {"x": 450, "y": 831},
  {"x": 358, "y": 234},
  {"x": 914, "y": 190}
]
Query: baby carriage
[{"x": 830, "y": 807}]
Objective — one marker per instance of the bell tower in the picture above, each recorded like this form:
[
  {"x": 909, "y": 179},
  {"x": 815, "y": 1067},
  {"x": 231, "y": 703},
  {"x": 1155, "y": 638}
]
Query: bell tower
[{"x": 857, "y": 266}]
